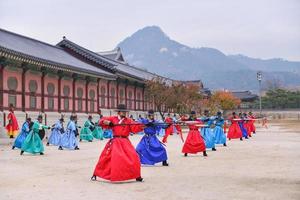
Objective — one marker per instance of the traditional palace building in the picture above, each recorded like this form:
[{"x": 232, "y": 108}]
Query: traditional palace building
[{"x": 36, "y": 76}]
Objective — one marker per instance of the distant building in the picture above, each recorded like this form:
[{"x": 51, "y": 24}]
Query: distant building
[{"x": 247, "y": 98}]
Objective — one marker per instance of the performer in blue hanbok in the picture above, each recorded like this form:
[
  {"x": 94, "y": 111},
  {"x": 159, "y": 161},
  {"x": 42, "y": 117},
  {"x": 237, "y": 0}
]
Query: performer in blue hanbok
[
  {"x": 56, "y": 133},
  {"x": 26, "y": 127},
  {"x": 207, "y": 132},
  {"x": 150, "y": 149},
  {"x": 242, "y": 127},
  {"x": 220, "y": 137},
  {"x": 86, "y": 132},
  {"x": 68, "y": 139}
]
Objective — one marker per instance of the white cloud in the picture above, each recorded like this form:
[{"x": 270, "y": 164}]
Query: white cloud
[{"x": 163, "y": 49}]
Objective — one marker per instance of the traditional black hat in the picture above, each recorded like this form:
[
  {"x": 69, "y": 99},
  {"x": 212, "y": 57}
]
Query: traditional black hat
[
  {"x": 206, "y": 111},
  {"x": 219, "y": 113},
  {"x": 40, "y": 117},
  {"x": 122, "y": 108},
  {"x": 150, "y": 112},
  {"x": 193, "y": 112},
  {"x": 90, "y": 117}
]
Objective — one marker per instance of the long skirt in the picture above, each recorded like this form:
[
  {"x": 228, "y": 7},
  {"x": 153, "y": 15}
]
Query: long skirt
[
  {"x": 243, "y": 129},
  {"x": 118, "y": 161},
  {"x": 234, "y": 132},
  {"x": 209, "y": 138},
  {"x": 98, "y": 133},
  {"x": 108, "y": 133},
  {"x": 33, "y": 144},
  {"x": 194, "y": 143},
  {"x": 220, "y": 137},
  {"x": 68, "y": 140},
  {"x": 86, "y": 134},
  {"x": 151, "y": 150},
  {"x": 54, "y": 137},
  {"x": 20, "y": 139}
]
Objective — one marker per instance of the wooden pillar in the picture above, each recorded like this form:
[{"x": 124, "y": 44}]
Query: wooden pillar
[
  {"x": 143, "y": 99},
  {"x": 25, "y": 69},
  {"x": 117, "y": 95},
  {"x": 74, "y": 93},
  {"x": 59, "y": 93},
  {"x": 98, "y": 94},
  {"x": 87, "y": 95},
  {"x": 1, "y": 87},
  {"x": 126, "y": 85},
  {"x": 108, "y": 94},
  {"x": 134, "y": 97},
  {"x": 43, "y": 90}
]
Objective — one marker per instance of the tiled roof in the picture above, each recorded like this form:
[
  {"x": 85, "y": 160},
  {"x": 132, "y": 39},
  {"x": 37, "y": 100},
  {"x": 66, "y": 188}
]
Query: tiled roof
[
  {"x": 115, "y": 54},
  {"x": 29, "y": 48},
  {"x": 245, "y": 95}
]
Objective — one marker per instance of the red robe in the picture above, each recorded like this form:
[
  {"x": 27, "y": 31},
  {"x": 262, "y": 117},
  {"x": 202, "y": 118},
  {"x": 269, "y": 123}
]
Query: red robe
[
  {"x": 169, "y": 130},
  {"x": 234, "y": 131},
  {"x": 12, "y": 127},
  {"x": 119, "y": 160},
  {"x": 251, "y": 124},
  {"x": 194, "y": 143},
  {"x": 247, "y": 127}
]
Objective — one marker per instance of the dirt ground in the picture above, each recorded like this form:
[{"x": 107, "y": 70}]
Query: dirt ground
[{"x": 267, "y": 166}]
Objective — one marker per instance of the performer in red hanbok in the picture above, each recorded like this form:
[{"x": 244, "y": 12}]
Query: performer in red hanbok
[
  {"x": 12, "y": 127},
  {"x": 169, "y": 130},
  {"x": 251, "y": 122},
  {"x": 119, "y": 161},
  {"x": 234, "y": 131},
  {"x": 194, "y": 143}
]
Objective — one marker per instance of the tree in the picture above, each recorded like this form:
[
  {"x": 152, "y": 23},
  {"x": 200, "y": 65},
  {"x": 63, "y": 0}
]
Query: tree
[{"x": 223, "y": 100}]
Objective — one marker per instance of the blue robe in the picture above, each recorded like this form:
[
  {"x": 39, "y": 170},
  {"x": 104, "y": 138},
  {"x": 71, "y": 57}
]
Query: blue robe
[
  {"x": 207, "y": 133},
  {"x": 56, "y": 134},
  {"x": 220, "y": 137},
  {"x": 243, "y": 129},
  {"x": 68, "y": 139},
  {"x": 107, "y": 133},
  {"x": 150, "y": 149},
  {"x": 22, "y": 135}
]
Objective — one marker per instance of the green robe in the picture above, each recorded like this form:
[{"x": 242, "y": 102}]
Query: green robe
[
  {"x": 33, "y": 143},
  {"x": 86, "y": 133},
  {"x": 98, "y": 132}
]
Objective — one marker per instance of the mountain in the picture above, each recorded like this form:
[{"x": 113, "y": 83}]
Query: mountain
[{"x": 152, "y": 49}]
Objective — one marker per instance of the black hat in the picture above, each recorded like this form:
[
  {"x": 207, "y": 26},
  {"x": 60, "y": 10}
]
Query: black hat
[
  {"x": 206, "y": 111},
  {"x": 61, "y": 119},
  {"x": 122, "y": 107},
  {"x": 219, "y": 113},
  {"x": 193, "y": 112},
  {"x": 233, "y": 113},
  {"x": 28, "y": 119},
  {"x": 90, "y": 117},
  {"x": 40, "y": 117},
  {"x": 150, "y": 112}
]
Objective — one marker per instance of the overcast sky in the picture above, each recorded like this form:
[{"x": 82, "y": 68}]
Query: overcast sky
[{"x": 257, "y": 28}]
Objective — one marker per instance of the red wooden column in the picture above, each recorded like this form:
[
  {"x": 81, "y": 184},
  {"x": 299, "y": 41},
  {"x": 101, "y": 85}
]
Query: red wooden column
[
  {"x": 1, "y": 87},
  {"x": 43, "y": 90},
  {"x": 25, "y": 69},
  {"x": 59, "y": 92},
  {"x": 98, "y": 94},
  {"x": 117, "y": 95},
  {"x": 134, "y": 97},
  {"x": 143, "y": 99},
  {"x": 73, "y": 91},
  {"x": 87, "y": 95},
  {"x": 126, "y": 85},
  {"x": 108, "y": 94}
]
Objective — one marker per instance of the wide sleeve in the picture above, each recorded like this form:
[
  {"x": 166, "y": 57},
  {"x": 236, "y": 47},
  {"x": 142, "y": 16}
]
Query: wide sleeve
[
  {"x": 101, "y": 122},
  {"x": 135, "y": 127}
]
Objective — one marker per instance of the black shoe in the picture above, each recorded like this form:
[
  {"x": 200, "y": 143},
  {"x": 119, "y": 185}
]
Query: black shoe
[
  {"x": 214, "y": 149},
  {"x": 250, "y": 135},
  {"x": 60, "y": 148},
  {"x": 21, "y": 152},
  {"x": 164, "y": 163},
  {"x": 13, "y": 147},
  {"x": 41, "y": 153},
  {"x": 11, "y": 136},
  {"x": 246, "y": 137},
  {"x": 93, "y": 178},
  {"x": 229, "y": 139},
  {"x": 185, "y": 155},
  {"x": 139, "y": 179},
  {"x": 90, "y": 140},
  {"x": 225, "y": 145},
  {"x": 241, "y": 139},
  {"x": 47, "y": 144},
  {"x": 76, "y": 148},
  {"x": 254, "y": 132},
  {"x": 204, "y": 153},
  {"x": 80, "y": 140}
]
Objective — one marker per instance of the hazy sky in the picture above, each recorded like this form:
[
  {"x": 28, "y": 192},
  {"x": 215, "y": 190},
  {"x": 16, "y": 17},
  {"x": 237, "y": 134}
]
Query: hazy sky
[{"x": 257, "y": 28}]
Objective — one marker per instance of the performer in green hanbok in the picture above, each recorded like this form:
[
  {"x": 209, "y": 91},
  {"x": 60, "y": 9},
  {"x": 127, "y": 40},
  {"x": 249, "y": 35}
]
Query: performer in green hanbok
[
  {"x": 98, "y": 132},
  {"x": 86, "y": 131},
  {"x": 33, "y": 143}
]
